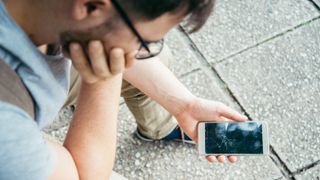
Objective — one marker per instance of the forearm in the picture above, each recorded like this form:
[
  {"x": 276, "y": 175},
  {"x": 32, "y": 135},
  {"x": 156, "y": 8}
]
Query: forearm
[
  {"x": 154, "y": 79},
  {"x": 91, "y": 139}
]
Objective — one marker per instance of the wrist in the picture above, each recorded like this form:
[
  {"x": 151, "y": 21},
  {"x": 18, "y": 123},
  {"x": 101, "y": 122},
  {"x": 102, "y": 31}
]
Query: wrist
[
  {"x": 185, "y": 104},
  {"x": 101, "y": 88},
  {"x": 116, "y": 79}
]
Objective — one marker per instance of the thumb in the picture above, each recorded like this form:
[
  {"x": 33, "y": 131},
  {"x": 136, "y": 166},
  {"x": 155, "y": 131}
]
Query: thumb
[{"x": 229, "y": 113}]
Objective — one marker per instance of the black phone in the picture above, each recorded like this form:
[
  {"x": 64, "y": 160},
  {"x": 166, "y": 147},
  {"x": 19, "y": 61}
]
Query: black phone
[{"x": 233, "y": 138}]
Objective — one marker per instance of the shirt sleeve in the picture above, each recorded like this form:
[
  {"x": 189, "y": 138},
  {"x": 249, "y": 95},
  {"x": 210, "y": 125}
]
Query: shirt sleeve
[{"x": 24, "y": 153}]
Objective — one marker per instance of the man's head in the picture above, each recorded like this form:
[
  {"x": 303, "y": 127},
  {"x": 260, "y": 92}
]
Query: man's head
[
  {"x": 136, "y": 21},
  {"x": 118, "y": 23},
  {"x": 148, "y": 10}
]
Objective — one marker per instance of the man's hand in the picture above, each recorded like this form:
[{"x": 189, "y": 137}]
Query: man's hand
[
  {"x": 95, "y": 65},
  {"x": 205, "y": 110},
  {"x": 89, "y": 148},
  {"x": 160, "y": 84}
]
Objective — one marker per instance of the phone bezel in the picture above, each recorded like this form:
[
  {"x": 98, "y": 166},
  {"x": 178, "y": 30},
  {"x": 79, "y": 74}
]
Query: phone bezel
[{"x": 201, "y": 139}]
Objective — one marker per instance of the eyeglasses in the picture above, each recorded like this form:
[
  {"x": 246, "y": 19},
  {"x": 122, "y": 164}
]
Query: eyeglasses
[{"x": 147, "y": 49}]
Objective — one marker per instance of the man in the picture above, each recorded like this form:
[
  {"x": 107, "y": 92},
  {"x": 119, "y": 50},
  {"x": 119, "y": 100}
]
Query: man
[{"x": 110, "y": 42}]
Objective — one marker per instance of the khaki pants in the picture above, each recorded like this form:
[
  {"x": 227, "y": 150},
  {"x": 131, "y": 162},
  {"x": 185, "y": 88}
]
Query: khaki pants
[{"x": 152, "y": 119}]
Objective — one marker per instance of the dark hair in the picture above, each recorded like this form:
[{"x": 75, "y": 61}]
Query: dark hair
[{"x": 197, "y": 11}]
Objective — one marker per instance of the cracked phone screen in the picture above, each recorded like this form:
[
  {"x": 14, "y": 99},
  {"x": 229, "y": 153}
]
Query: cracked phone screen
[{"x": 233, "y": 138}]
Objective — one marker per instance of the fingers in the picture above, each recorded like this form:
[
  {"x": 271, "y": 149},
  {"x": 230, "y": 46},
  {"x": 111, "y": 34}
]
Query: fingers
[
  {"x": 98, "y": 59},
  {"x": 212, "y": 159},
  {"x": 229, "y": 113},
  {"x": 219, "y": 119},
  {"x": 117, "y": 61},
  {"x": 221, "y": 159},
  {"x": 96, "y": 65},
  {"x": 81, "y": 63},
  {"x": 130, "y": 58},
  {"x": 232, "y": 159}
]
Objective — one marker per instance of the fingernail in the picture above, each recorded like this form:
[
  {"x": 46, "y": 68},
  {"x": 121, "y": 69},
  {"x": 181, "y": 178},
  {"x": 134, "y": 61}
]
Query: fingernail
[
  {"x": 118, "y": 52},
  {"x": 223, "y": 158},
  {"x": 213, "y": 160},
  {"x": 95, "y": 44},
  {"x": 74, "y": 46}
]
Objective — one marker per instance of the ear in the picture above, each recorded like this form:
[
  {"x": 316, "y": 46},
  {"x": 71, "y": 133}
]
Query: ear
[{"x": 85, "y": 8}]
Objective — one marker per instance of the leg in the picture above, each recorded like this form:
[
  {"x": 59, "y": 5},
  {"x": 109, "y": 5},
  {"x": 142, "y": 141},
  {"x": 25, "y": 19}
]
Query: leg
[
  {"x": 73, "y": 89},
  {"x": 152, "y": 119}
]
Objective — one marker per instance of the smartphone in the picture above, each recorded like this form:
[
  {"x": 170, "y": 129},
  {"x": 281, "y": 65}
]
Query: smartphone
[{"x": 233, "y": 138}]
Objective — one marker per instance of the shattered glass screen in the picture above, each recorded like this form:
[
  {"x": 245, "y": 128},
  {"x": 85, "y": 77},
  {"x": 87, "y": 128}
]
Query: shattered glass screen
[{"x": 234, "y": 138}]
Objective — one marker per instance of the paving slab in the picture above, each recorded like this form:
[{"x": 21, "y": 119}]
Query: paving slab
[
  {"x": 184, "y": 60},
  {"x": 236, "y": 25},
  {"x": 161, "y": 160},
  {"x": 313, "y": 173},
  {"x": 136, "y": 159},
  {"x": 279, "y": 82},
  {"x": 200, "y": 85}
]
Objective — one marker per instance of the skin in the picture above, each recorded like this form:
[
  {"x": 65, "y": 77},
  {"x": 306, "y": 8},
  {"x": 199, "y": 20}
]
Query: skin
[
  {"x": 162, "y": 86},
  {"x": 89, "y": 148}
]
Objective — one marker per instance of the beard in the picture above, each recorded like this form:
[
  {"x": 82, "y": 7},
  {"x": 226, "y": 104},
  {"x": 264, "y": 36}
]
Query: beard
[
  {"x": 66, "y": 38},
  {"x": 98, "y": 32}
]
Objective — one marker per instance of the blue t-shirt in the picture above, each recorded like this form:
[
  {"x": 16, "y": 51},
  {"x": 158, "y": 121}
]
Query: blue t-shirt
[{"x": 24, "y": 154}]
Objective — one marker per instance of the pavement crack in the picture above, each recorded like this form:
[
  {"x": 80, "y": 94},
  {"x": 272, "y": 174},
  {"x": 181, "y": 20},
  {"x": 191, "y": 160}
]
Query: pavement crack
[
  {"x": 278, "y": 178},
  {"x": 280, "y": 164},
  {"x": 299, "y": 171},
  {"x": 267, "y": 39},
  {"x": 315, "y": 4},
  {"x": 211, "y": 72},
  {"x": 190, "y": 72}
]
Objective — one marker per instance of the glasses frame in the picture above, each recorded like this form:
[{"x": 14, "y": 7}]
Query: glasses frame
[{"x": 144, "y": 44}]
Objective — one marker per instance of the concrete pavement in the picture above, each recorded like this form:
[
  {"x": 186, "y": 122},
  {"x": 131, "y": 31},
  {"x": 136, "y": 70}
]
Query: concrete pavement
[{"x": 262, "y": 58}]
